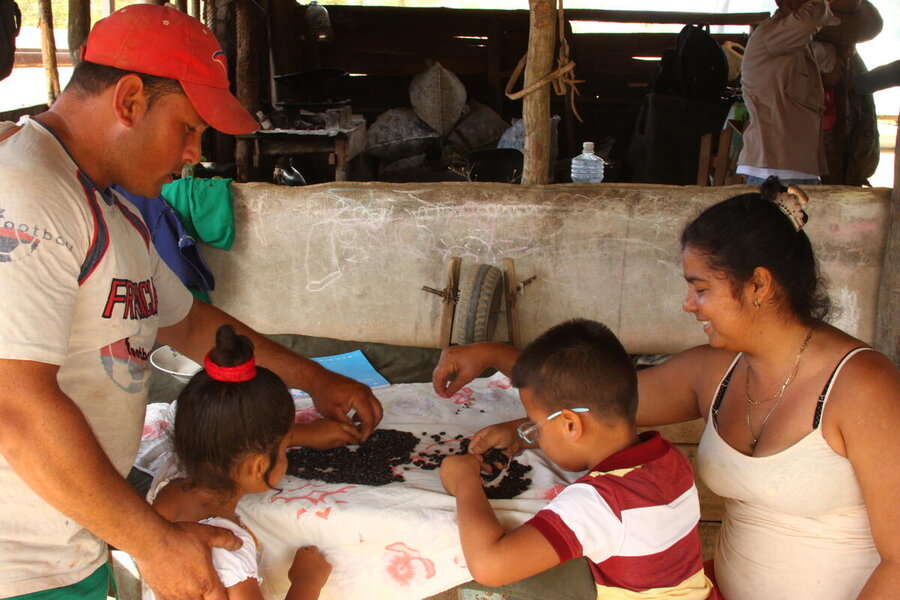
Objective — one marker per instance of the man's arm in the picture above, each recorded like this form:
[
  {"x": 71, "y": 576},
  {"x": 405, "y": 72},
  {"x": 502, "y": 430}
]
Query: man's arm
[
  {"x": 493, "y": 556},
  {"x": 334, "y": 395},
  {"x": 50, "y": 445},
  {"x": 803, "y": 19}
]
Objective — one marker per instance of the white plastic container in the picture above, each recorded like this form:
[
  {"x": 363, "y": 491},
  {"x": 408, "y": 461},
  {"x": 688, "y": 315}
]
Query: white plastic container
[
  {"x": 179, "y": 366},
  {"x": 587, "y": 167}
]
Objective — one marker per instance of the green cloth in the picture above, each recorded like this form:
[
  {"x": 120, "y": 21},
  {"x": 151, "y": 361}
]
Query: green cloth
[
  {"x": 202, "y": 295},
  {"x": 93, "y": 587},
  {"x": 204, "y": 207}
]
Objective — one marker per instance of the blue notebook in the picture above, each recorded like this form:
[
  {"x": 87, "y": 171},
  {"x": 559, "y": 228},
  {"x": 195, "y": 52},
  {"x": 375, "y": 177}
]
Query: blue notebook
[{"x": 354, "y": 365}]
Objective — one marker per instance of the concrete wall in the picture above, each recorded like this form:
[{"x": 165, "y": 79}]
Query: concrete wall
[{"x": 348, "y": 260}]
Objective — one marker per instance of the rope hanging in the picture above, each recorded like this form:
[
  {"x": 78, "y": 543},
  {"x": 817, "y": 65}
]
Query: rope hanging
[{"x": 562, "y": 79}]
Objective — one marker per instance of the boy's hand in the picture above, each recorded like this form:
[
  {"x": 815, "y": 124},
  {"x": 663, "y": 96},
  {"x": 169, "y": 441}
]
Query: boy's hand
[
  {"x": 309, "y": 571},
  {"x": 323, "y": 434},
  {"x": 458, "y": 470},
  {"x": 503, "y": 436}
]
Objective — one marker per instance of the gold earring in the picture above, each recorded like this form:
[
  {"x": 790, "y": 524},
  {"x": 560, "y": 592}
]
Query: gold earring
[{"x": 756, "y": 303}]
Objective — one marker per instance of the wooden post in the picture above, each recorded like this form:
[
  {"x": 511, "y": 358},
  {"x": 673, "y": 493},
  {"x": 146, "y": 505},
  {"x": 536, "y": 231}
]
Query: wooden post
[
  {"x": 536, "y": 105},
  {"x": 246, "y": 75},
  {"x": 495, "y": 82},
  {"x": 195, "y": 10},
  {"x": 48, "y": 50},
  {"x": 181, "y": 5},
  {"x": 79, "y": 26},
  {"x": 887, "y": 332},
  {"x": 448, "y": 310},
  {"x": 511, "y": 291}
]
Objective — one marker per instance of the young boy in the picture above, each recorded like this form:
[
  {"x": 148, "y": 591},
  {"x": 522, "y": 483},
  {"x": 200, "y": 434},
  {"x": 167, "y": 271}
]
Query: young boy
[{"x": 633, "y": 515}]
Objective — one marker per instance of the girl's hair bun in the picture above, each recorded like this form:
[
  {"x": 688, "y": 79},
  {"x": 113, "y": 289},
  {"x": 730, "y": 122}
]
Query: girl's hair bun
[{"x": 231, "y": 348}]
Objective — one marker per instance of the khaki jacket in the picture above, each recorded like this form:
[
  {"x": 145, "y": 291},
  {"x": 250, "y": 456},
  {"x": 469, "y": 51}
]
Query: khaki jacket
[{"x": 783, "y": 92}]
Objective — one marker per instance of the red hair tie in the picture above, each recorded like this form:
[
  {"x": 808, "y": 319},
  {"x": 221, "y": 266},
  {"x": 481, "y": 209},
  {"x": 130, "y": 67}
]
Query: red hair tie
[{"x": 242, "y": 372}]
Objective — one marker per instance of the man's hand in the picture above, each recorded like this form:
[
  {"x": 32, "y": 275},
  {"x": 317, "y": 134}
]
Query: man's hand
[
  {"x": 503, "y": 436},
  {"x": 323, "y": 434},
  {"x": 458, "y": 470},
  {"x": 790, "y": 6},
  {"x": 180, "y": 566},
  {"x": 335, "y": 396}
]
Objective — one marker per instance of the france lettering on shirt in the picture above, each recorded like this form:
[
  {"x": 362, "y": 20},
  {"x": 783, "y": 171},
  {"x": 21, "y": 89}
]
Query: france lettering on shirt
[{"x": 139, "y": 299}]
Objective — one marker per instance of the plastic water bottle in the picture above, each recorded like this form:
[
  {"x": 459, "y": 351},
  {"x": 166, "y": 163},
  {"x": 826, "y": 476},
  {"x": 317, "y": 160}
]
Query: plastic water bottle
[{"x": 587, "y": 167}]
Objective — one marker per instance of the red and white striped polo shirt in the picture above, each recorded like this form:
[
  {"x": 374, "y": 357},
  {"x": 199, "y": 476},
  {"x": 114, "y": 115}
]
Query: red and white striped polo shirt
[{"x": 634, "y": 516}]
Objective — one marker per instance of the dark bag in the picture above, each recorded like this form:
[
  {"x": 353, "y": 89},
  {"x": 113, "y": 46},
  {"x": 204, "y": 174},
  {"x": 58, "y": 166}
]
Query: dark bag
[
  {"x": 664, "y": 80},
  {"x": 701, "y": 67},
  {"x": 10, "y": 23}
]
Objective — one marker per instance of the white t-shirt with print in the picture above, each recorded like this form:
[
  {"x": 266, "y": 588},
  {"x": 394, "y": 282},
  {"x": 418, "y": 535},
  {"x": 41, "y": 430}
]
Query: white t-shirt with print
[
  {"x": 233, "y": 566},
  {"x": 82, "y": 287}
]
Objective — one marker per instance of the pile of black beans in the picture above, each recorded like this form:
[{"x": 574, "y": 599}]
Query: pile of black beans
[
  {"x": 382, "y": 458},
  {"x": 370, "y": 463}
]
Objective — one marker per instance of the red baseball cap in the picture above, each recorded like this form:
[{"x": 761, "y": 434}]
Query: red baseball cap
[{"x": 163, "y": 41}]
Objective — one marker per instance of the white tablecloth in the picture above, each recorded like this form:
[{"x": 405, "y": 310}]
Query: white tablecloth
[{"x": 393, "y": 542}]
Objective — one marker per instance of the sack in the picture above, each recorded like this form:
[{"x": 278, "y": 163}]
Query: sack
[
  {"x": 701, "y": 68},
  {"x": 10, "y": 24},
  {"x": 399, "y": 133}
]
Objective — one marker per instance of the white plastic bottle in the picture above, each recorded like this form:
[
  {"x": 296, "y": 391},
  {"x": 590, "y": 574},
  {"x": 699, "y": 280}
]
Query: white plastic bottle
[{"x": 587, "y": 167}]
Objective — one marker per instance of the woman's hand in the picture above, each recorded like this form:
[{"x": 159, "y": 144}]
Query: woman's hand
[
  {"x": 459, "y": 365},
  {"x": 323, "y": 434},
  {"x": 308, "y": 574}
]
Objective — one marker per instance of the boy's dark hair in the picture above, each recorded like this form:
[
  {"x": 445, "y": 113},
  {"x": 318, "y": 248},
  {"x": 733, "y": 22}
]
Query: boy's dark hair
[
  {"x": 748, "y": 231},
  {"x": 218, "y": 423},
  {"x": 579, "y": 363},
  {"x": 92, "y": 79}
]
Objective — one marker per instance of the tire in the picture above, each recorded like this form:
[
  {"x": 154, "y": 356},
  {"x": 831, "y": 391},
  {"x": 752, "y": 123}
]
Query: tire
[{"x": 480, "y": 292}]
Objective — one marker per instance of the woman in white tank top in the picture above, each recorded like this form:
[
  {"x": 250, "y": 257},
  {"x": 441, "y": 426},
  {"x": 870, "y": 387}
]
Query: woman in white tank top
[{"x": 803, "y": 421}]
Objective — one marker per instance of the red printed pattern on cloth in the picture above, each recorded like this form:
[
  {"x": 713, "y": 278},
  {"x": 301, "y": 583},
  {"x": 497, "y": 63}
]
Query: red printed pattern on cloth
[
  {"x": 405, "y": 565},
  {"x": 315, "y": 495}
]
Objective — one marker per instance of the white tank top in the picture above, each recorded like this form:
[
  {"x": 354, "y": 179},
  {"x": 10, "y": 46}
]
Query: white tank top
[{"x": 795, "y": 524}]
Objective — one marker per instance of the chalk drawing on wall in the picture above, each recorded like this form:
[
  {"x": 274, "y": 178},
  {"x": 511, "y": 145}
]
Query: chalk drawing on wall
[{"x": 375, "y": 232}]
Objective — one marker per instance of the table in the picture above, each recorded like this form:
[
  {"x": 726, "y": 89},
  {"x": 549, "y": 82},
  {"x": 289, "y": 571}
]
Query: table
[
  {"x": 341, "y": 144},
  {"x": 394, "y": 542}
]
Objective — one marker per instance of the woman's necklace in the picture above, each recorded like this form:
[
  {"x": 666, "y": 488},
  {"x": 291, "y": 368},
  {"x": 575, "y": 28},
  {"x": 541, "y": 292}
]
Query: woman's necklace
[{"x": 777, "y": 396}]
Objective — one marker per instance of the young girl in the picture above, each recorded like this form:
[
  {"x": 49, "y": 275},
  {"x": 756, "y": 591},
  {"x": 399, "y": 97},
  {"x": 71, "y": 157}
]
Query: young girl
[{"x": 233, "y": 422}]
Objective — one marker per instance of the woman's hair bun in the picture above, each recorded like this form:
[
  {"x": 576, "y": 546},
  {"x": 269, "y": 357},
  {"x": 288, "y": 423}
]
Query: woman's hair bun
[{"x": 771, "y": 188}]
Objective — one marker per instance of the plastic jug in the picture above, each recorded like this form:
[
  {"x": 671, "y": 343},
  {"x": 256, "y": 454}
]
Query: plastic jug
[{"x": 587, "y": 167}]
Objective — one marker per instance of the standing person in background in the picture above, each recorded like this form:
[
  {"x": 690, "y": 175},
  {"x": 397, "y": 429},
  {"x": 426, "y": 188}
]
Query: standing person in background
[
  {"x": 84, "y": 297},
  {"x": 850, "y": 122},
  {"x": 783, "y": 92},
  {"x": 801, "y": 418}
]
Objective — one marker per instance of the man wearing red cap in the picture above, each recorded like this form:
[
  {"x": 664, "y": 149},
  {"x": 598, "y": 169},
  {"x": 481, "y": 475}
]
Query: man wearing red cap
[{"x": 84, "y": 297}]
